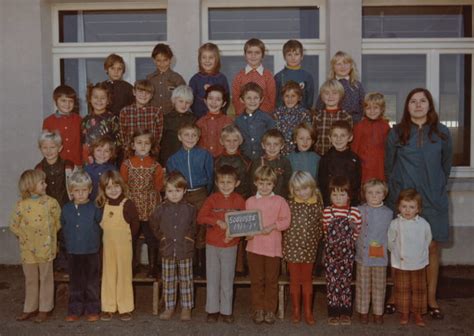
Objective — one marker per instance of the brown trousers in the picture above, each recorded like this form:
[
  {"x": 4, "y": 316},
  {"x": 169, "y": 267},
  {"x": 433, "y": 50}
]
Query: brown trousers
[
  {"x": 264, "y": 272},
  {"x": 197, "y": 199},
  {"x": 410, "y": 290},
  {"x": 39, "y": 287}
]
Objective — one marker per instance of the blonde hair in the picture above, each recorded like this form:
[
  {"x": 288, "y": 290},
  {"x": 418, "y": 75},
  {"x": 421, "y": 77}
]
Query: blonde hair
[
  {"x": 79, "y": 179},
  {"x": 373, "y": 182},
  {"x": 300, "y": 180},
  {"x": 182, "y": 91},
  {"x": 305, "y": 126},
  {"x": 110, "y": 175},
  {"x": 332, "y": 84},
  {"x": 265, "y": 173},
  {"x": 376, "y": 98},
  {"x": 211, "y": 47},
  {"x": 50, "y": 136},
  {"x": 102, "y": 141},
  {"x": 231, "y": 130},
  {"x": 346, "y": 58},
  {"x": 28, "y": 181}
]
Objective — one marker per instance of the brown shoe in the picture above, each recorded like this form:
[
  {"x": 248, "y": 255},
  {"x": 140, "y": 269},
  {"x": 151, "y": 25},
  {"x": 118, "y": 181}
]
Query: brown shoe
[
  {"x": 258, "y": 316},
  {"x": 106, "y": 316},
  {"x": 269, "y": 318},
  {"x": 125, "y": 317},
  {"x": 404, "y": 318},
  {"x": 378, "y": 319},
  {"x": 92, "y": 317},
  {"x": 71, "y": 318},
  {"x": 185, "y": 314},
  {"x": 229, "y": 319},
  {"x": 364, "y": 318},
  {"x": 41, "y": 317},
  {"x": 345, "y": 320},
  {"x": 26, "y": 316},
  {"x": 419, "y": 320},
  {"x": 334, "y": 321},
  {"x": 166, "y": 315},
  {"x": 212, "y": 318}
]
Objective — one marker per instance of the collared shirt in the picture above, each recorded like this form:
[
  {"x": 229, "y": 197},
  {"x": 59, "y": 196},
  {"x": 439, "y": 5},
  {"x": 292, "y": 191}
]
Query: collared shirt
[
  {"x": 253, "y": 126},
  {"x": 322, "y": 123},
  {"x": 133, "y": 118},
  {"x": 259, "y": 69},
  {"x": 69, "y": 127},
  {"x": 56, "y": 177},
  {"x": 81, "y": 227},
  {"x": 211, "y": 126},
  {"x": 164, "y": 84}
]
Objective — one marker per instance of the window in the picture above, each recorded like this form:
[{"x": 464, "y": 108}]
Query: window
[
  {"x": 403, "y": 49},
  {"x": 85, "y": 34},
  {"x": 229, "y": 24}
]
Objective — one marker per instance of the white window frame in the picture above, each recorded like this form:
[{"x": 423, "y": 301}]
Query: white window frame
[
  {"x": 128, "y": 50},
  {"x": 312, "y": 47},
  {"x": 432, "y": 48}
]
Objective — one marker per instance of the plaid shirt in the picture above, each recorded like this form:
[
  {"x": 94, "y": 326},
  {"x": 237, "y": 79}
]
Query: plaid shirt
[
  {"x": 133, "y": 118},
  {"x": 322, "y": 123}
]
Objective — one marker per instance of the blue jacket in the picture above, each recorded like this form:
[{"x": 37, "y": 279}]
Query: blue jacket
[
  {"x": 196, "y": 165},
  {"x": 252, "y": 128},
  {"x": 300, "y": 76},
  {"x": 198, "y": 83},
  {"x": 95, "y": 170},
  {"x": 81, "y": 227}
]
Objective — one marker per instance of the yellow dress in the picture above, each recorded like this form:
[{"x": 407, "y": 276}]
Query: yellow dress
[{"x": 117, "y": 289}]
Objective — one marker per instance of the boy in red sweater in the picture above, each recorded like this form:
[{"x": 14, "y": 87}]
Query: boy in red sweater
[{"x": 221, "y": 251}]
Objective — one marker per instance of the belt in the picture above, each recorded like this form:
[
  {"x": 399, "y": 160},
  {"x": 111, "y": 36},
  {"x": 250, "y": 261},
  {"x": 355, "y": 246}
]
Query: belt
[{"x": 195, "y": 189}]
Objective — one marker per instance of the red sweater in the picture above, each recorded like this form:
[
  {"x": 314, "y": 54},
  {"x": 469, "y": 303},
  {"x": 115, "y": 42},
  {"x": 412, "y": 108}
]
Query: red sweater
[
  {"x": 214, "y": 209},
  {"x": 211, "y": 126},
  {"x": 265, "y": 81},
  {"x": 69, "y": 127},
  {"x": 369, "y": 145}
]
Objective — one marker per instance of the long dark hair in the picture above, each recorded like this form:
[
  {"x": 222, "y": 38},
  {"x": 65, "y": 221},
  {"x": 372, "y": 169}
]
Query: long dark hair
[{"x": 432, "y": 119}]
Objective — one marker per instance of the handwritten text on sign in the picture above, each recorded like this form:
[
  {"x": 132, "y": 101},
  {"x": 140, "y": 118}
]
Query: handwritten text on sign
[{"x": 244, "y": 223}]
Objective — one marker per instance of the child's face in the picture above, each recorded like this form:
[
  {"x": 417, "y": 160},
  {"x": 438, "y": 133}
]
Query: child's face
[
  {"x": 303, "y": 140},
  {"x": 373, "y": 111},
  {"x": 227, "y": 184},
  {"x": 375, "y": 195},
  {"x": 215, "y": 102},
  {"x": 252, "y": 101},
  {"x": 331, "y": 98},
  {"x": 342, "y": 68},
  {"x": 254, "y": 57},
  {"x": 340, "y": 138},
  {"x": 40, "y": 188},
  {"x": 231, "y": 143},
  {"x": 115, "y": 72},
  {"x": 304, "y": 193},
  {"x": 208, "y": 61},
  {"x": 340, "y": 198},
  {"x": 189, "y": 138},
  {"x": 181, "y": 105},
  {"x": 50, "y": 150},
  {"x": 291, "y": 98},
  {"x": 293, "y": 58},
  {"x": 142, "y": 145},
  {"x": 162, "y": 62},
  {"x": 99, "y": 101},
  {"x": 408, "y": 209},
  {"x": 80, "y": 194},
  {"x": 113, "y": 190},
  {"x": 264, "y": 187},
  {"x": 64, "y": 104},
  {"x": 272, "y": 147},
  {"x": 174, "y": 194},
  {"x": 102, "y": 154},
  {"x": 142, "y": 97}
]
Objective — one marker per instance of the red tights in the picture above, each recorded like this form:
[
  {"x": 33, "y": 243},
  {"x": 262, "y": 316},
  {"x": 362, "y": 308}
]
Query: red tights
[{"x": 301, "y": 274}]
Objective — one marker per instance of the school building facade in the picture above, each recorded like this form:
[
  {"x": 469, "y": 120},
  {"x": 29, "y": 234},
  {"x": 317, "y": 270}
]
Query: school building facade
[{"x": 397, "y": 45}]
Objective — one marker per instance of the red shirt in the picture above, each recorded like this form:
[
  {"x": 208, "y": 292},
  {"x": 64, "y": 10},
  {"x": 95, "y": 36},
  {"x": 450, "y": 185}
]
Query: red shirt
[
  {"x": 69, "y": 127},
  {"x": 211, "y": 126},
  {"x": 214, "y": 209},
  {"x": 369, "y": 145}
]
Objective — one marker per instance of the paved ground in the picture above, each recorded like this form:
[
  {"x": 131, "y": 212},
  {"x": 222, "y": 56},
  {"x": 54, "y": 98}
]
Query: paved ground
[{"x": 456, "y": 291}]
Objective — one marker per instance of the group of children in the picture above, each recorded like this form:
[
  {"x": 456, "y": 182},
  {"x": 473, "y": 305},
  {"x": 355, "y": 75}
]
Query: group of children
[{"x": 160, "y": 137}]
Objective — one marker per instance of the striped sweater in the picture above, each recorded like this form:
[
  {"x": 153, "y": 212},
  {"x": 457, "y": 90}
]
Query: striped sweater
[{"x": 332, "y": 212}]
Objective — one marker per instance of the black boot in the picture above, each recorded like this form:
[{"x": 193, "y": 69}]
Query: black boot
[
  {"x": 202, "y": 262},
  {"x": 152, "y": 262}
]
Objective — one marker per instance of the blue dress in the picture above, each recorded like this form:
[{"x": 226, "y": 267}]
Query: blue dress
[{"x": 424, "y": 165}]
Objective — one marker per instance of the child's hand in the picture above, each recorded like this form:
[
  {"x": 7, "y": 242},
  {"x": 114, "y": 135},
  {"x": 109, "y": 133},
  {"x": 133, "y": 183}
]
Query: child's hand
[
  {"x": 249, "y": 238},
  {"x": 267, "y": 230},
  {"x": 222, "y": 224}
]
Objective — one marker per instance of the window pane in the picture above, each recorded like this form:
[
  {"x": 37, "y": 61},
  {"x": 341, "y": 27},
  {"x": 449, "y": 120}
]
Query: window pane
[
  {"x": 394, "y": 76},
  {"x": 416, "y": 21},
  {"x": 263, "y": 23},
  {"x": 112, "y": 26},
  {"x": 455, "y": 103},
  {"x": 78, "y": 72},
  {"x": 143, "y": 67}
]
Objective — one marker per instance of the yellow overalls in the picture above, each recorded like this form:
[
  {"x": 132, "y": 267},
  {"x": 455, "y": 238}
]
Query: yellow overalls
[{"x": 117, "y": 290}]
